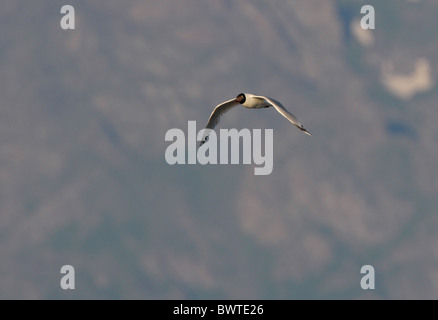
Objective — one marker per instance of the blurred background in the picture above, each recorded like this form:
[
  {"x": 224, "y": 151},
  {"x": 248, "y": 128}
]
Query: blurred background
[{"x": 84, "y": 181}]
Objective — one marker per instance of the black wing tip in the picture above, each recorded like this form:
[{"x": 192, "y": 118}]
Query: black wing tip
[
  {"x": 203, "y": 141},
  {"x": 305, "y": 131}
]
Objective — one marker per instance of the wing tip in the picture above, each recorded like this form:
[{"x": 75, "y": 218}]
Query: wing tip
[
  {"x": 305, "y": 131},
  {"x": 203, "y": 141}
]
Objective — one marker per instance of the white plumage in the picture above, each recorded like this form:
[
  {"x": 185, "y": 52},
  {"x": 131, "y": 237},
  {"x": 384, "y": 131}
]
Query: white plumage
[{"x": 251, "y": 101}]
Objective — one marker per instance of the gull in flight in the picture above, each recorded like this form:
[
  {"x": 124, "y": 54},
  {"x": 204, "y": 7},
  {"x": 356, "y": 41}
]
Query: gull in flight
[{"x": 250, "y": 101}]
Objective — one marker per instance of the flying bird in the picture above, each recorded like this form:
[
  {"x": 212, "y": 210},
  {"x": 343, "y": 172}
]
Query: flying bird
[{"x": 250, "y": 101}]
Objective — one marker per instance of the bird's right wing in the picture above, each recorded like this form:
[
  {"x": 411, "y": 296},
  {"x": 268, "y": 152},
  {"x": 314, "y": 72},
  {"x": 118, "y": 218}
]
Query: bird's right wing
[{"x": 217, "y": 113}]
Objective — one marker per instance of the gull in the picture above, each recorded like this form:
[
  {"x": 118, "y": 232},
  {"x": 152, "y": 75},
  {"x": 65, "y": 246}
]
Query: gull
[{"x": 250, "y": 101}]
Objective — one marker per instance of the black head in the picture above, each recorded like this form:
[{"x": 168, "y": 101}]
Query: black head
[{"x": 241, "y": 98}]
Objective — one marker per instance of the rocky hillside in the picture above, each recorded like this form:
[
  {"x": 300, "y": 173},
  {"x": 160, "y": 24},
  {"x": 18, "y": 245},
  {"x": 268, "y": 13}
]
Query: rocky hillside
[{"x": 84, "y": 181}]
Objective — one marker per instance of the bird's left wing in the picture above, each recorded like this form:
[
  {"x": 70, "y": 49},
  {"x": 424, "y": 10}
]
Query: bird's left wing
[{"x": 289, "y": 116}]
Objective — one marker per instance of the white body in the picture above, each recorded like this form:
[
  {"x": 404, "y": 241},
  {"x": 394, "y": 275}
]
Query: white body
[
  {"x": 255, "y": 102},
  {"x": 251, "y": 101}
]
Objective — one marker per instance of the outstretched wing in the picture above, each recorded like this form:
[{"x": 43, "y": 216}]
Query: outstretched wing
[
  {"x": 217, "y": 113},
  {"x": 289, "y": 116}
]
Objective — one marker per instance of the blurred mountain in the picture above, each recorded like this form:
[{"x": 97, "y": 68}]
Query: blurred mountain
[{"x": 83, "y": 179}]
